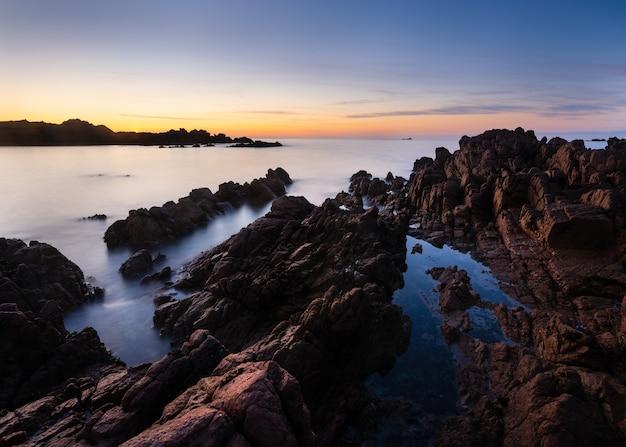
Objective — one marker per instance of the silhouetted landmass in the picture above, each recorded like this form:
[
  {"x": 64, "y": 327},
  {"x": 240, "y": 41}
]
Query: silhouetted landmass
[
  {"x": 76, "y": 132},
  {"x": 257, "y": 143}
]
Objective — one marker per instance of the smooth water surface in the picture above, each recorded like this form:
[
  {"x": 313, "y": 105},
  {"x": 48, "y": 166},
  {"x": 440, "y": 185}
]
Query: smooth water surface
[
  {"x": 48, "y": 189},
  {"x": 423, "y": 378}
]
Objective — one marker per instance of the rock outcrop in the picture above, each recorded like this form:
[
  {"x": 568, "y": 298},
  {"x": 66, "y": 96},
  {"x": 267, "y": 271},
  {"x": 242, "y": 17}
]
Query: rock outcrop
[
  {"x": 286, "y": 318},
  {"x": 37, "y": 284},
  {"x": 289, "y": 316},
  {"x": 147, "y": 227},
  {"x": 37, "y": 277},
  {"x": 547, "y": 217},
  {"x": 307, "y": 287}
]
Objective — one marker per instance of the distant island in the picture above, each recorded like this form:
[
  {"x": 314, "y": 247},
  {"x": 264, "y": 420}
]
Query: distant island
[{"x": 76, "y": 132}]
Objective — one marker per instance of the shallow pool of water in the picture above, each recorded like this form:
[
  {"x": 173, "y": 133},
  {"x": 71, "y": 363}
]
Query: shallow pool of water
[{"x": 423, "y": 378}]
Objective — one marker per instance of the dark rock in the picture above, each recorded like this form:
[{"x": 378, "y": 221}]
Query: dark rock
[
  {"x": 37, "y": 284},
  {"x": 547, "y": 217},
  {"x": 257, "y": 143},
  {"x": 163, "y": 275},
  {"x": 96, "y": 217},
  {"x": 31, "y": 275},
  {"x": 417, "y": 248},
  {"x": 307, "y": 287},
  {"x": 163, "y": 299},
  {"x": 75, "y": 132},
  {"x": 138, "y": 263},
  {"x": 144, "y": 228},
  {"x": 455, "y": 292}
]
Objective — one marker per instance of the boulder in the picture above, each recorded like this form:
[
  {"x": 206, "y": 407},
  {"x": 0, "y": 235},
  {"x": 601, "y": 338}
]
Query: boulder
[{"x": 137, "y": 264}]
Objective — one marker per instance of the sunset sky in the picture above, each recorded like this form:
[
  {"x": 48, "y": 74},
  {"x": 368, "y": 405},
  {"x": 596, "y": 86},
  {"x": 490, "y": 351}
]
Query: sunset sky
[{"x": 316, "y": 68}]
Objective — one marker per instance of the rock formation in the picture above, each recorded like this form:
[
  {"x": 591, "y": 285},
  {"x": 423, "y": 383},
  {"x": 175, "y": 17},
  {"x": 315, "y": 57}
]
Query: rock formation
[
  {"x": 287, "y": 317},
  {"x": 308, "y": 287},
  {"x": 147, "y": 227},
  {"x": 547, "y": 217},
  {"x": 37, "y": 284}
]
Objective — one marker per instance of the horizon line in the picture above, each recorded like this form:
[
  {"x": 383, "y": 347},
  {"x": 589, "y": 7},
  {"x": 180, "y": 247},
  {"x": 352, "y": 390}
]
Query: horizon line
[{"x": 381, "y": 136}]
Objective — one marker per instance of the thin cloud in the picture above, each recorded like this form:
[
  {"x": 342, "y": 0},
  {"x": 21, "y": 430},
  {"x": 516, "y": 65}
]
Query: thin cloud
[
  {"x": 162, "y": 117},
  {"x": 451, "y": 110},
  {"x": 566, "y": 109},
  {"x": 577, "y": 109},
  {"x": 271, "y": 112},
  {"x": 357, "y": 102}
]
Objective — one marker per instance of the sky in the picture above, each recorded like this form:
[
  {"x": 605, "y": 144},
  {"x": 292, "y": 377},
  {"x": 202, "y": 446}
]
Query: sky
[{"x": 288, "y": 68}]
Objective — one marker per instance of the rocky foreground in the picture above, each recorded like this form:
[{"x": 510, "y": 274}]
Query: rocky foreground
[
  {"x": 548, "y": 218},
  {"x": 290, "y": 315},
  {"x": 286, "y": 318}
]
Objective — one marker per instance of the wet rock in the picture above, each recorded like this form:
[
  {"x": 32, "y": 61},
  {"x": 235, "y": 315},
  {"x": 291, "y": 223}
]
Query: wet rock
[
  {"x": 455, "y": 292},
  {"x": 163, "y": 275},
  {"x": 36, "y": 354},
  {"x": 144, "y": 228},
  {"x": 311, "y": 286},
  {"x": 547, "y": 217},
  {"x": 163, "y": 299},
  {"x": 376, "y": 188},
  {"x": 31, "y": 275},
  {"x": 138, "y": 263}
]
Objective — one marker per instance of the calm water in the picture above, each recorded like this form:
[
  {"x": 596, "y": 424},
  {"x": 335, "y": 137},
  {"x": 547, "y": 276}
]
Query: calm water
[
  {"x": 47, "y": 190},
  {"x": 423, "y": 378}
]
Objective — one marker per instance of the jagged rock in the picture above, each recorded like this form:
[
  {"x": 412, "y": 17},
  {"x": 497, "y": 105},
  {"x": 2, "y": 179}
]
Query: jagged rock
[
  {"x": 310, "y": 285},
  {"x": 162, "y": 275},
  {"x": 144, "y": 228},
  {"x": 256, "y": 403},
  {"x": 36, "y": 354},
  {"x": 138, "y": 263},
  {"x": 95, "y": 217},
  {"x": 455, "y": 292},
  {"x": 547, "y": 218},
  {"x": 31, "y": 275},
  {"x": 576, "y": 226}
]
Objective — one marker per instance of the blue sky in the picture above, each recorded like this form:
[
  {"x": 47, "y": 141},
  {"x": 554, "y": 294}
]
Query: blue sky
[{"x": 316, "y": 68}]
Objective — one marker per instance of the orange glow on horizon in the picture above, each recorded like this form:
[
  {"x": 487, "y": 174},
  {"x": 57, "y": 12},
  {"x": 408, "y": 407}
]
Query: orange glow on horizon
[{"x": 269, "y": 126}]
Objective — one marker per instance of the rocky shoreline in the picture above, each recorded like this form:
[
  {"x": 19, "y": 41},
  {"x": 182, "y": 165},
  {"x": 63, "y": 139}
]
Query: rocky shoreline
[
  {"x": 148, "y": 227},
  {"x": 547, "y": 217},
  {"x": 285, "y": 319}
]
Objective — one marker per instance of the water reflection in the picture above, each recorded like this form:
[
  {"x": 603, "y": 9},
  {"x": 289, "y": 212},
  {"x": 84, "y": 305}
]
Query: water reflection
[{"x": 422, "y": 380}]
